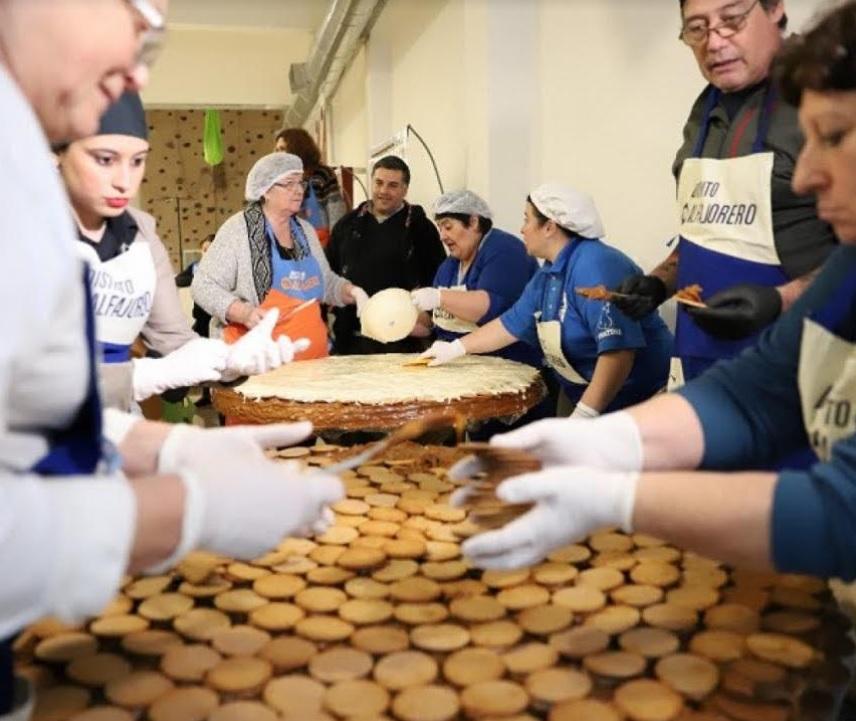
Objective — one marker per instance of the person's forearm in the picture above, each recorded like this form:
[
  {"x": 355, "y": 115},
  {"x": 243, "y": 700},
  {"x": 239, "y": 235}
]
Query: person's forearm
[
  {"x": 610, "y": 373},
  {"x": 160, "y": 513},
  {"x": 238, "y": 311},
  {"x": 423, "y": 326},
  {"x": 488, "y": 338},
  {"x": 671, "y": 433},
  {"x": 141, "y": 446},
  {"x": 667, "y": 271},
  {"x": 470, "y": 305},
  {"x": 724, "y": 516},
  {"x": 792, "y": 290}
]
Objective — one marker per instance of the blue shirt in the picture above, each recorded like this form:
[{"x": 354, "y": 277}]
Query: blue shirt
[
  {"x": 502, "y": 269},
  {"x": 751, "y": 415},
  {"x": 592, "y": 327}
]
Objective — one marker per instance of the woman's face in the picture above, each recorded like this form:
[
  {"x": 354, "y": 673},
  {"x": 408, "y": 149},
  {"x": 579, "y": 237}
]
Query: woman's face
[
  {"x": 827, "y": 164},
  {"x": 103, "y": 173},
  {"x": 461, "y": 240},
  {"x": 535, "y": 235},
  {"x": 286, "y": 195}
]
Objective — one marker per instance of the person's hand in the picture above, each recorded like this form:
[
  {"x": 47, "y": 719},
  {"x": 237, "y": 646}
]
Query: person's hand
[
  {"x": 611, "y": 441},
  {"x": 251, "y": 315},
  {"x": 443, "y": 352},
  {"x": 198, "y": 361},
  {"x": 257, "y": 352},
  {"x": 241, "y": 504},
  {"x": 739, "y": 311},
  {"x": 359, "y": 298},
  {"x": 188, "y": 445},
  {"x": 570, "y": 503},
  {"x": 647, "y": 293},
  {"x": 426, "y": 299}
]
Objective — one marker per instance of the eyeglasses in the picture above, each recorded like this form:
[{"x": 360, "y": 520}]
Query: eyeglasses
[
  {"x": 292, "y": 186},
  {"x": 697, "y": 32},
  {"x": 152, "y": 39}
]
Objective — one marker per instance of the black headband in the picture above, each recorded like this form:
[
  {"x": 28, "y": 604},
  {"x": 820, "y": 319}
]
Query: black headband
[{"x": 125, "y": 117}]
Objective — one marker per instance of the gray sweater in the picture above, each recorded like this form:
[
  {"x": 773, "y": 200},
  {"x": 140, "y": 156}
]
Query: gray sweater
[{"x": 225, "y": 273}]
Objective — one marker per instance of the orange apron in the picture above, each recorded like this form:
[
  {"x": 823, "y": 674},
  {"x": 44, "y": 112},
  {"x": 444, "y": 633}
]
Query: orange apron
[{"x": 305, "y": 323}]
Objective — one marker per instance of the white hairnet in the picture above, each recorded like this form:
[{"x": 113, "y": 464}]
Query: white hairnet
[
  {"x": 268, "y": 170},
  {"x": 465, "y": 202},
  {"x": 568, "y": 208}
]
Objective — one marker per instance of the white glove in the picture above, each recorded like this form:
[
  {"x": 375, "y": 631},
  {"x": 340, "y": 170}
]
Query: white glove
[
  {"x": 360, "y": 297},
  {"x": 257, "y": 352},
  {"x": 200, "y": 360},
  {"x": 443, "y": 352},
  {"x": 611, "y": 441},
  {"x": 237, "y": 502},
  {"x": 570, "y": 503},
  {"x": 426, "y": 299},
  {"x": 581, "y": 410},
  {"x": 187, "y": 446}
]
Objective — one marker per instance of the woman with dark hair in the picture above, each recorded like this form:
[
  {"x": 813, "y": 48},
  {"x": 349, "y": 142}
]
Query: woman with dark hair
[
  {"x": 322, "y": 203},
  {"x": 795, "y": 388},
  {"x": 603, "y": 360}
]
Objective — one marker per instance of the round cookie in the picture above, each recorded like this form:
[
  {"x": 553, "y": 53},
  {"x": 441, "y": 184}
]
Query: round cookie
[
  {"x": 296, "y": 695},
  {"x": 356, "y": 698},
  {"x": 138, "y": 689},
  {"x": 439, "y": 637},
  {"x": 189, "y": 663},
  {"x": 403, "y": 669},
  {"x": 426, "y": 703},
  {"x": 276, "y": 616},
  {"x": 190, "y": 703},
  {"x": 240, "y": 641},
  {"x": 340, "y": 664},
  {"x": 494, "y": 698},
  {"x": 646, "y": 700},
  {"x": 693, "y": 676},
  {"x": 380, "y": 639},
  {"x": 473, "y": 665},
  {"x": 288, "y": 653},
  {"x": 530, "y": 657},
  {"x": 553, "y": 685}
]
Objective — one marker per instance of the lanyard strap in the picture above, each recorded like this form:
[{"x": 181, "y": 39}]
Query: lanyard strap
[{"x": 763, "y": 122}]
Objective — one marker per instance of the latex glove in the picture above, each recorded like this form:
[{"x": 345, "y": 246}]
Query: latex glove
[
  {"x": 648, "y": 293},
  {"x": 581, "y": 410},
  {"x": 426, "y": 299},
  {"x": 360, "y": 297},
  {"x": 739, "y": 311},
  {"x": 257, "y": 352},
  {"x": 570, "y": 503},
  {"x": 612, "y": 441},
  {"x": 200, "y": 360},
  {"x": 241, "y": 504},
  {"x": 443, "y": 351},
  {"x": 187, "y": 446}
]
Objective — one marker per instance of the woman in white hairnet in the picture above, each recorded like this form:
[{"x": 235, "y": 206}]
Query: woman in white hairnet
[
  {"x": 266, "y": 256},
  {"x": 131, "y": 277},
  {"x": 603, "y": 360},
  {"x": 484, "y": 275}
]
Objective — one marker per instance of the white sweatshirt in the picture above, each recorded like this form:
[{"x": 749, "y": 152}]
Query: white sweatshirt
[{"x": 64, "y": 542}]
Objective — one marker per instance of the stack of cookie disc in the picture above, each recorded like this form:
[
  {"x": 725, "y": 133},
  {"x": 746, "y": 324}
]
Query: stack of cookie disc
[
  {"x": 380, "y": 618},
  {"x": 486, "y": 510}
]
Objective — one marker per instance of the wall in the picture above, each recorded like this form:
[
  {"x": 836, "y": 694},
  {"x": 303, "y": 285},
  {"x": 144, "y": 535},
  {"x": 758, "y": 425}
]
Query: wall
[
  {"x": 189, "y": 199},
  {"x": 350, "y": 136},
  {"x": 509, "y": 94},
  {"x": 226, "y": 66}
]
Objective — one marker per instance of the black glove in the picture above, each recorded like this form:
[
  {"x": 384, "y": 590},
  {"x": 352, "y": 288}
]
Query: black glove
[
  {"x": 646, "y": 293},
  {"x": 738, "y": 312}
]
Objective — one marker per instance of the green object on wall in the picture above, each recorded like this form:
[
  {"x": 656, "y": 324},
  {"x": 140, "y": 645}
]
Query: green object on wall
[{"x": 212, "y": 138}]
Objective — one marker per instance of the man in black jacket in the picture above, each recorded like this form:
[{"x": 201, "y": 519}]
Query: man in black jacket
[{"x": 383, "y": 243}]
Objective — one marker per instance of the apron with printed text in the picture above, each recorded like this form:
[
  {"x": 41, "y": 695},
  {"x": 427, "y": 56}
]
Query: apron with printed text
[
  {"x": 74, "y": 450},
  {"x": 123, "y": 290},
  {"x": 293, "y": 282},
  {"x": 726, "y": 235}
]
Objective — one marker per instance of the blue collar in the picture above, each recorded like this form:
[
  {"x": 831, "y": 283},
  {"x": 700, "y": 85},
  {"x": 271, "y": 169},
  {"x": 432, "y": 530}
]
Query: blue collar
[{"x": 560, "y": 265}]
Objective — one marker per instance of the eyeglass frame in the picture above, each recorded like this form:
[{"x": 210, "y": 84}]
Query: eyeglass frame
[
  {"x": 735, "y": 24},
  {"x": 292, "y": 184},
  {"x": 152, "y": 40}
]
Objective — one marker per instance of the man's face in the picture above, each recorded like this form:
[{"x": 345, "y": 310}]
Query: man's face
[
  {"x": 744, "y": 59},
  {"x": 388, "y": 190},
  {"x": 84, "y": 60}
]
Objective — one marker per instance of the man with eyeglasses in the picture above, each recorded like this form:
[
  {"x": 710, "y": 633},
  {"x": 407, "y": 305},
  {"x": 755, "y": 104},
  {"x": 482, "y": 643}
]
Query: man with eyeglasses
[
  {"x": 75, "y": 515},
  {"x": 745, "y": 236}
]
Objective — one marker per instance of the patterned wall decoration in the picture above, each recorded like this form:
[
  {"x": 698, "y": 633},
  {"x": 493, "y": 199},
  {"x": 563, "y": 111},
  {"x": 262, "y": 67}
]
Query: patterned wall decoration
[{"x": 189, "y": 199}]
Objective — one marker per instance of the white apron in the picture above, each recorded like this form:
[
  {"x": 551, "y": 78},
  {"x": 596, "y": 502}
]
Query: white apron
[
  {"x": 123, "y": 289},
  {"x": 448, "y": 322},
  {"x": 550, "y": 338},
  {"x": 726, "y": 237}
]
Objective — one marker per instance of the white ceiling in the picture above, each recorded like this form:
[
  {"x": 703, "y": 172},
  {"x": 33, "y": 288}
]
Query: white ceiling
[{"x": 296, "y": 14}]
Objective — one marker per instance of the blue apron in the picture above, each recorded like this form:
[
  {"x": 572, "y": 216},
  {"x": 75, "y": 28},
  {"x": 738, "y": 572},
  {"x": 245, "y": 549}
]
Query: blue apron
[
  {"x": 299, "y": 278},
  {"x": 726, "y": 233},
  {"x": 75, "y": 450}
]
